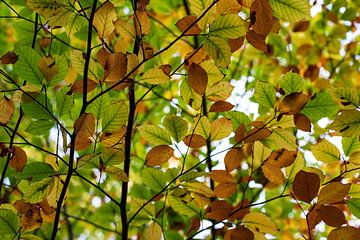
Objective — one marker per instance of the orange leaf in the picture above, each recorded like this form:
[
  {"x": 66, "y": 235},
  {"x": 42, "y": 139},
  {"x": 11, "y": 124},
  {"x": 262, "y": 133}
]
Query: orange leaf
[
  {"x": 225, "y": 189},
  {"x": 344, "y": 233},
  {"x": 241, "y": 232},
  {"x": 240, "y": 210},
  {"x": 19, "y": 159},
  {"x": 6, "y": 110},
  {"x": 333, "y": 192},
  {"x": 302, "y": 122},
  {"x": 194, "y": 141},
  {"x": 77, "y": 87},
  {"x": 185, "y": 22},
  {"x": 218, "y": 210},
  {"x": 221, "y": 106},
  {"x": 261, "y": 14},
  {"x": 158, "y": 155},
  {"x": 233, "y": 159},
  {"x": 273, "y": 173},
  {"x": 240, "y": 133},
  {"x": 115, "y": 67},
  {"x": 84, "y": 128},
  {"x": 221, "y": 176},
  {"x": 256, "y": 134},
  {"x": 282, "y": 157},
  {"x": 198, "y": 78},
  {"x": 306, "y": 186},
  {"x": 293, "y": 103},
  {"x": 331, "y": 215},
  {"x": 30, "y": 215}
]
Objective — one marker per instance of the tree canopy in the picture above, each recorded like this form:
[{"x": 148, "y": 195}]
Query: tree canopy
[{"x": 181, "y": 119}]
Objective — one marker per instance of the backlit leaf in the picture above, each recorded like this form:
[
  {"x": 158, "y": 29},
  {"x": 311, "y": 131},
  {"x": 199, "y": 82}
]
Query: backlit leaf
[
  {"x": 154, "y": 135},
  {"x": 6, "y": 110},
  {"x": 176, "y": 126},
  {"x": 260, "y": 222},
  {"x": 306, "y": 186},
  {"x": 103, "y": 19},
  {"x": 291, "y": 10},
  {"x": 347, "y": 124},
  {"x": 158, "y": 155},
  {"x": 326, "y": 152},
  {"x": 229, "y": 26},
  {"x": 333, "y": 192}
]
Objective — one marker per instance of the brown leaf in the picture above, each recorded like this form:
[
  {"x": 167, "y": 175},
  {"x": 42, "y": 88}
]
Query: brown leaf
[
  {"x": 233, "y": 159},
  {"x": 240, "y": 210},
  {"x": 158, "y": 155},
  {"x": 77, "y": 87},
  {"x": 331, "y": 215},
  {"x": 225, "y": 189},
  {"x": 102, "y": 56},
  {"x": 235, "y": 44},
  {"x": 306, "y": 186},
  {"x": 103, "y": 19},
  {"x": 282, "y": 157},
  {"x": 185, "y": 22},
  {"x": 115, "y": 67},
  {"x": 293, "y": 103},
  {"x": 221, "y": 106},
  {"x": 19, "y": 159},
  {"x": 301, "y": 26},
  {"x": 142, "y": 23},
  {"x": 218, "y": 210},
  {"x": 257, "y": 134},
  {"x": 166, "y": 68},
  {"x": 261, "y": 17},
  {"x": 344, "y": 233},
  {"x": 9, "y": 58},
  {"x": 313, "y": 220},
  {"x": 257, "y": 40},
  {"x": 333, "y": 192},
  {"x": 6, "y": 110},
  {"x": 221, "y": 176},
  {"x": 273, "y": 173},
  {"x": 240, "y": 133},
  {"x": 194, "y": 225},
  {"x": 241, "y": 232},
  {"x": 30, "y": 215},
  {"x": 302, "y": 122},
  {"x": 48, "y": 67},
  {"x": 198, "y": 78},
  {"x": 84, "y": 128},
  {"x": 46, "y": 208},
  {"x": 196, "y": 56},
  {"x": 194, "y": 141}
]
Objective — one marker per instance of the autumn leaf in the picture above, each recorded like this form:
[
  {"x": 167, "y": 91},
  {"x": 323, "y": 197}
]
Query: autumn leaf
[
  {"x": 333, "y": 192},
  {"x": 19, "y": 159},
  {"x": 306, "y": 186},
  {"x": 198, "y": 78},
  {"x": 6, "y": 110},
  {"x": 103, "y": 19},
  {"x": 84, "y": 128},
  {"x": 186, "y": 22},
  {"x": 331, "y": 215},
  {"x": 158, "y": 155}
]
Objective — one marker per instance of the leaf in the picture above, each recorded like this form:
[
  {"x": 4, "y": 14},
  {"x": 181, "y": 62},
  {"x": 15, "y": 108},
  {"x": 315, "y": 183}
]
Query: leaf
[
  {"x": 36, "y": 171},
  {"x": 346, "y": 97},
  {"x": 115, "y": 67},
  {"x": 153, "y": 232},
  {"x": 155, "y": 76},
  {"x": 354, "y": 191},
  {"x": 9, "y": 58},
  {"x": 218, "y": 210},
  {"x": 221, "y": 106},
  {"x": 350, "y": 145},
  {"x": 261, "y": 11},
  {"x": 142, "y": 23},
  {"x": 189, "y": 96},
  {"x": 64, "y": 102},
  {"x": 344, "y": 233},
  {"x": 261, "y": 152},
  {"x": 233, "y": 159},
  {"x": 347, "y": 123},
  {"x": 117, "y": 173},
  {"x": 124, "y": 28},
  {"x": 115, "y": 117},
  {"x": 37, "y": 191},
  {"x": 331, "y": 215},
  {"x": 202, "y": 126},
  {"x": 273, "y": 173},
  {"x": 265, "y": 94},
  {"x": 321, "y": 105},
  {"x": 176, "y": 126},
  {"x": 197, "y": 78},
  {"x": 257, "y": 40},
  {"x": 179, "y": 206},
  {"x": 39, "y": 127},
  {"x": 221, "y": 176},
  {"x": 40, "y": 108},
  {"x": 241, "y": 232},
  {"x": 326, "y": 152},
  {"x": 194, "y": 226},
  {"x": 48, "y": 67},
  {"x": 103, "y": 19},
  {"x": 291, "y": 10},
  {"x": 84, "y": 128},
  {"x": 293, "y": 103},
  {"x": 302, "y": 122},
  {"x": 200, "y": 188},
  {"x": 225, "y": 189},
  {"x": 185, "y": 22},
  {"x": 154, "y": 134},
  {"x": 298, "y": 165},
  {"x": 9, "y": 223},
  {"x": 306, "y": 186},
  {"x": 154, "y": 179},
  {"x": 220, "y": 128},
  {"x": 55, "y": 192},
  {"x": 291, "y": 83},
  {"x": 159, "y": 155},
  {"x": 213, "y": 73},
  {"x": 219, "y": 91},
  {"x": 333, "y": 192},
  {"x": 194, "y": 141},
  {"x": 260, "y": 222},
  {"x": 229, "y": 26},
  {"x": 256, "y": 134},
  {"x": 7, "y": 110},
  {"x": 354, "y": 206},
  {"x": 282, "y": 138},
  {"x": 18, "y": 159},
  {"x": 27, "y": 65},
  {"x": 219, "y": 50}
]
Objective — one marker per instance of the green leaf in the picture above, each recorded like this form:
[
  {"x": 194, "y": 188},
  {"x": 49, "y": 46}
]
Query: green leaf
[
  {"x": 9, "y": 223},
  {"x": 112, "y": 156},
  {"x": 37, "y": 191},
  {"x": 346, "y": 97},
  {"x": 189, "y": 96},
  {"x": 214, "y": 74},
  {"x": 354, "y": 206},
  {"x": 219, "y": 50},
  {"x": 238, "y": 118},
  {"x": 64, "y": 102},
  {"x": 99, "y": 106},
  {"x": 36, "y": 171},
  {"x": 202, "y": 126},
  {"x": 229, "y": 26},
  {"x": 219, "y": 91},
  {"x": 326, "y": 152},
  {"x": 63, "y": 68},
  {"x": 261, "y": 153},
  {"x": 291, "y": 10},
  {"x": 155, "y": 76},
  {"x": 187, "y": 209},
  {"x": 294, "y": 168},
  {"x": 115, "y": 117},
  {"x": 39, "y": 109},
  {"x": 350, "y": 145},
  {"x": 265, "y": 94},
  {"x": 154, "y": 179},
  {"x": 354, "y": 191},
  {"x": 347, "y": 123},
  {"x": 281, "y": 138},
  {"x": 321, "y": 105},
  {"x": 39, "y": 127},
  {"x": 291, "y": 83},
  {"x": 27, "y": 66},
  {"x": 176, "y": 126},
  {"x": 154, "y": 134}
]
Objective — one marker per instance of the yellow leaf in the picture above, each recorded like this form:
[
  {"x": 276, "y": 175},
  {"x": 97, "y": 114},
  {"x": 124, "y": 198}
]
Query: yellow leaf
[
  {"x": 220, "y": 128},
  {"x": 326, "y": 152},
  {"x": 153, "y": 232},
  {"x": 155, "y": 76},
  {"x": 103, "y": 19},
  {"x": 333, "y": 192},
  {"x": 6, "y": 110},
  {"x": 260, "y": 222}
]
